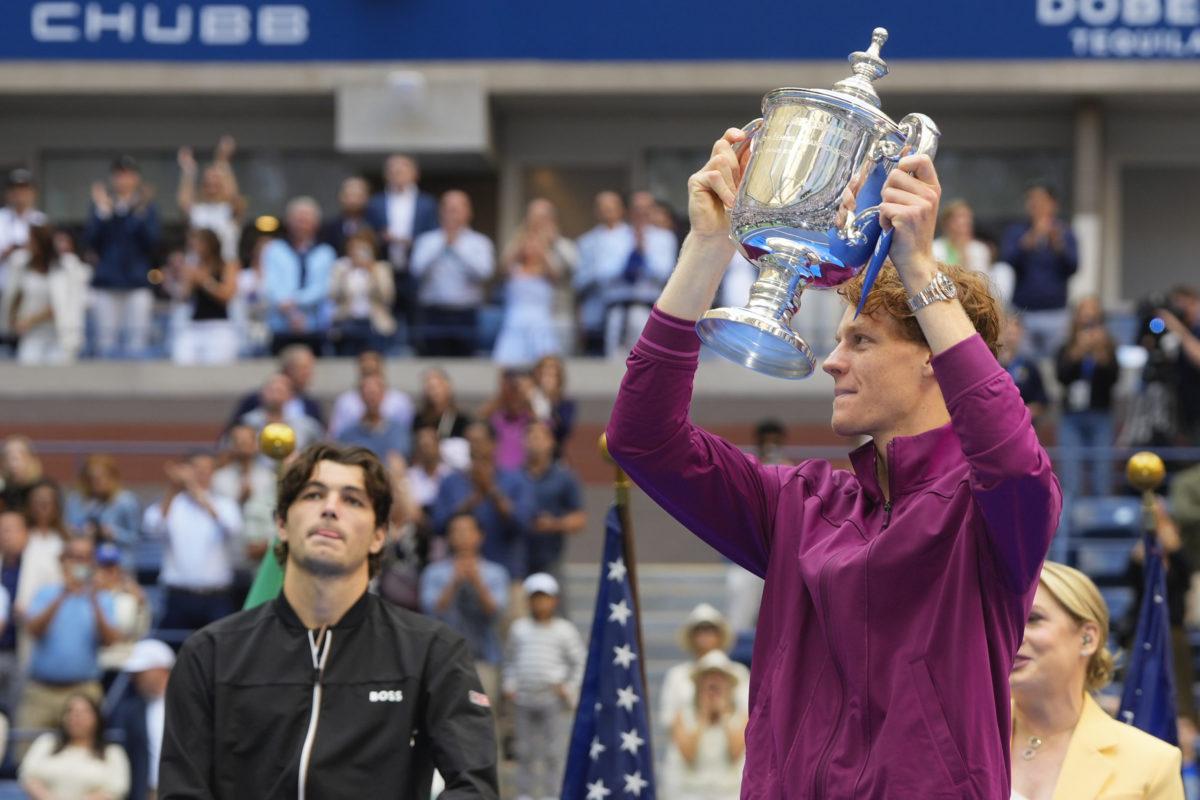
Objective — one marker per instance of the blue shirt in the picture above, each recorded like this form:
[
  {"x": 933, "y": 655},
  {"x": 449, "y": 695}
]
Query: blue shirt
[
  {"x": 504, "y": 539},
  {"x": 9, "y": 575},
  {"x": 66, "y": 652},
  {"x": 302, "y": 279},
  {"x": 465, "y": 613},
  {"x": 387, "y": 437},
  {"x": 1042, "y": 272},
  {"x": 555, "y": 492}
]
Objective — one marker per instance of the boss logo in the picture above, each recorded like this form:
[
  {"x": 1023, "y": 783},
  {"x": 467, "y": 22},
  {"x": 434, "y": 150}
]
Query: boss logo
[{"x": 386, "y": 696}]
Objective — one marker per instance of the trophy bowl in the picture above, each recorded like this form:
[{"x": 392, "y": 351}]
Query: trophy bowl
[{"x": 792, "y": 219}]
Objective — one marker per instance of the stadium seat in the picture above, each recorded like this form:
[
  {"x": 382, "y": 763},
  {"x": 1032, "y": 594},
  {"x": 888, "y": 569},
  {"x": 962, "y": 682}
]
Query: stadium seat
[
  {"x": 11, "y": 790},
  {"x": 1113, "y": 516},
  {"x": 147, "y": 559},
  {"x": 1104, "y": 561}
]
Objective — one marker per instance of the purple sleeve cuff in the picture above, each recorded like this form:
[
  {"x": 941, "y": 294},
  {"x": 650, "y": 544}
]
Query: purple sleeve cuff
[
  {"x": 669, "y": 338},
  {"x": 963, "y": 366}
]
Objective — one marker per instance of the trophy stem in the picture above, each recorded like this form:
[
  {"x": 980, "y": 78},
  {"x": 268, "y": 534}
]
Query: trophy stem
[{"x": 776, "y": 293}]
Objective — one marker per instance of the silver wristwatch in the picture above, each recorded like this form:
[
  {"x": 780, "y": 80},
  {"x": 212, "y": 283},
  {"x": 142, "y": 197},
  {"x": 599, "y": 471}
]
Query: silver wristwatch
[{"x": 940, "y": 288}]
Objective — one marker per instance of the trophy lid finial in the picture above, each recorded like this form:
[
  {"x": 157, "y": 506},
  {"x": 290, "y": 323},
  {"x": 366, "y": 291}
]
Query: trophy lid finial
[{"x": 868, "y": 67}]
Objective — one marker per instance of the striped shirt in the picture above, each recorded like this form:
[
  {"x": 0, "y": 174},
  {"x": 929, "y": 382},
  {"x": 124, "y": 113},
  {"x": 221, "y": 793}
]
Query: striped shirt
[{"x": 540, "y": 656}]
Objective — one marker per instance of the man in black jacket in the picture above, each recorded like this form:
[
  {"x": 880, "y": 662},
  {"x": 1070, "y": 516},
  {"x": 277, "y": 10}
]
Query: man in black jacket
[{"x": 327, "y": 692}]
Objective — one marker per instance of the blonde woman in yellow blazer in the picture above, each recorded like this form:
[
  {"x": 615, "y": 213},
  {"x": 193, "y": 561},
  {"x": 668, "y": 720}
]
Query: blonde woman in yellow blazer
[{"x": 1064, "y": 746}]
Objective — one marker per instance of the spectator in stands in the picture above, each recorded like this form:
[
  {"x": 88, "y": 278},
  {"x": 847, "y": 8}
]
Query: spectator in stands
[
  {"x": 541, "y": 220},
  {"x": 69, "y": 623},
  {"x": 1024, "y": 372},
  {"x": 543, "y": 669},
  {"x": 296, "y": 272},
  {"x": 501, "y": 500},
  {"x": 100, "y": 508},
  {"x": 21, "y": 471},
  {"x": 44, "y": 303},
  {"x": 595, "y": 253},
  {"x": 249, "y": 483},
  {"x": 469, "y": 592},
  {"x": 438, "y": 409},
  {"x": 352, "y": 219},
  {"x": 770, "y": 443},
  {"x": 508, "y": 413},
  {"x": 248, "y": 310},
  {"x": 141, "y": 714},
  {"x": 1185, "y": 507},
  {"x": 1043, "y": 255},
  {"x": 47, "y": 533},
  {"x": 709, "y": 735},
  {"x": 557, "y": 505},
  {"x": 275, "y": 405},
  {"x": 402, "y": 212},
  {"x": 549, "y": 401},
  {"x": 529, "y": 329},
  {"x": 131, "y": 609},
  {"x": 1060, "y": 735},
  {"x": 363, "y": 290},
  {"x": 704, "y": 631},
  {"x": 18, "y": 216},
  {"x": 76, "y": 760},
  {"x": 201, "y": 531},
  {"x": 428, "y": 469},
  {"x": 208, "y": 284},
  {"x": 123, "y": 231},
  {"x": 220, "y": 207},
  {"x": 14, "y": 535},
  {"x": 631, "y": 267},
  {"x": 348, "y": 407},
  {"x": 1186, "y": 326},
  {"x": 451, "y": 266},
  {"x": 1088, "y": 371},
  {"x": 959, "y": 247},
  {"x": 297, "y": 363},
  {"x": 379, "y": 434}
]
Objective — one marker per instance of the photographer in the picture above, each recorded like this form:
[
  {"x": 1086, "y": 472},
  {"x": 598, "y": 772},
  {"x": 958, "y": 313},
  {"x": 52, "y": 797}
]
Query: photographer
[
  {"x": 1184, "y": 322},
  {"x": 69, "y": 624},
  {"x": 1087, "y": 369}
]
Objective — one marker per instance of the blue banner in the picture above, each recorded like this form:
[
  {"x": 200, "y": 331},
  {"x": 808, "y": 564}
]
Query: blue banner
[
  {"x": 615, "y": 30},
  {"x": 1148, "y": 696}
]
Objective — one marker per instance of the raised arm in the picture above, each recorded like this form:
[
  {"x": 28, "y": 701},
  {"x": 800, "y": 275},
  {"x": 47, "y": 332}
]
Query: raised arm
[{"x": 721, "y": 494}]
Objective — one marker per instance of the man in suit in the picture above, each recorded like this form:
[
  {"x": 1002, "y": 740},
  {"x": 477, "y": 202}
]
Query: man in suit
[
  {"x": 140, "y": 714},
  {"x": 352, "y": 205},
  {"x": 399, "y": 214}
]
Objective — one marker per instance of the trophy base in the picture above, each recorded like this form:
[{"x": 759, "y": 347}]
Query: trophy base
[{"x": 756, "y": 341}]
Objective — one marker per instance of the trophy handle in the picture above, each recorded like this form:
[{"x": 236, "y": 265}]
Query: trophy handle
[
  {"x": 751, "y": 129},
  {"x": 920, "y": 136}
]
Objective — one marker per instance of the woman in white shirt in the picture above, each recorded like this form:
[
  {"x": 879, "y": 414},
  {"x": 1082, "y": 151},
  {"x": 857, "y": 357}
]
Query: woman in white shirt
[
  {"x": 45, "y": 302},
  {"x": 710, "y": 735},
  {"x": 76, "y": 762},
  {"x": 362, "y": 289},
  {"x": 219, "y": 207}
]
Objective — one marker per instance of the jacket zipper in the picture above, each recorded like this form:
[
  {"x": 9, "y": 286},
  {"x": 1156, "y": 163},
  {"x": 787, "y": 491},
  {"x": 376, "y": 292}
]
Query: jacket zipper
[
  {"x": 319, "y": 657},
  {"x": 827, "y": 753},
  {"x": 887, "y": 503}
]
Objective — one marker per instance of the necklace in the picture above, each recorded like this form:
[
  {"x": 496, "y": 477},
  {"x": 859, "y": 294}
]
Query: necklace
[{"x": 1034, "y": 743}]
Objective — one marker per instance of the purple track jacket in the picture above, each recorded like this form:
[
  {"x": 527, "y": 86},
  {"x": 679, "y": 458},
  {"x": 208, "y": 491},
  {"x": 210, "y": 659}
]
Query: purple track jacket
[{"x": 887, "y": 630}]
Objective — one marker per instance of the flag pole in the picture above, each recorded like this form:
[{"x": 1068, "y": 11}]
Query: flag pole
[
  {"x": 276, "y": 441},
  {"x": 621, "y": 485}
]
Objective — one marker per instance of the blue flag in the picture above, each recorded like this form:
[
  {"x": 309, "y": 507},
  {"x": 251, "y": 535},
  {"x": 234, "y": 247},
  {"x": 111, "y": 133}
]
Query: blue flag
[
  {"x": 610, "y": 752},
  {"x": 1148, "y": 698}
]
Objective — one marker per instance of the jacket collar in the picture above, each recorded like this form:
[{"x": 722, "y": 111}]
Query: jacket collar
[
  {"x": 353, "y": 617},
  {"x": 913, "y": 461},
  {"x": 1088, "y": 764}
]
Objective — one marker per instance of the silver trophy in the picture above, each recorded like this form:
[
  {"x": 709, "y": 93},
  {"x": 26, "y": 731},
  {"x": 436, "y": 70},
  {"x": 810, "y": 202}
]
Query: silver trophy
[{"x": 790, "y": 220}]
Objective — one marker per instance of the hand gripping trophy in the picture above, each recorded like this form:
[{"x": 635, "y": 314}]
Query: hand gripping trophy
[{"x": 792, "y": 218}]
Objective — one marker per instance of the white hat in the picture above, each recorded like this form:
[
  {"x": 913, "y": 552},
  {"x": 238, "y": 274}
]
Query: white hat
[
  {"x": 716, "y": 661},
  {"x": 541, "y": 582},
  {"x": 704, "y": 614},
  {"x": 149, "y": 654}
]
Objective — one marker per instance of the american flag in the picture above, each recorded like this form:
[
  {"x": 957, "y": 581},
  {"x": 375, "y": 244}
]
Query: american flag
[{"x": 610, "y": 755}]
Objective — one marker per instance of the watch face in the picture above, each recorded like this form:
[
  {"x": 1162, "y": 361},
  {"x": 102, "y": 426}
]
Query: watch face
[{"x": 946, "y": 285}]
